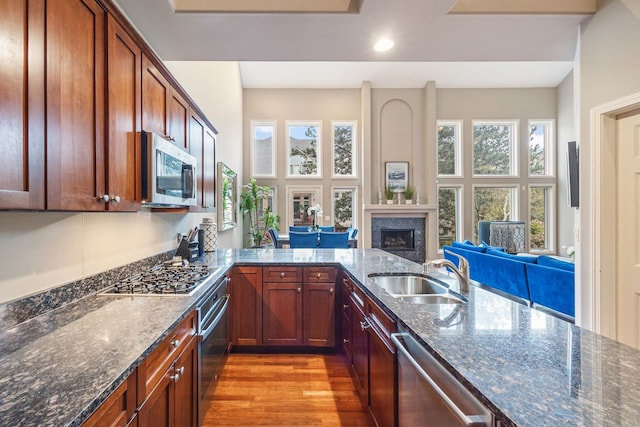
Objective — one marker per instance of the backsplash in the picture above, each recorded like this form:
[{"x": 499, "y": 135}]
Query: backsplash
[{"x": 21, "y": 310}]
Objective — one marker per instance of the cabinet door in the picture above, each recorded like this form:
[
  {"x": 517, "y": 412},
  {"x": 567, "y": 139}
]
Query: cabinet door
[
  {"x": 123, "y": 158},
  {"x": 319, "y": 314},
  {"x": 246, "y": 306},
  {"x": 282, "y": 313},
  {"x": 347, "y": 339},
  {"x": 158, "y": 409},
  {"x": 155, "y": 98},
  {"x": 202, "y": 146},
  {"x": 75, "y": 63},
  {"x": 186, "y": 392},
  {"x": 178, "y": 116},
  {"x": 22, "y": 104},
  {"x": 360, "y": 349},
  {"x": 382, "y": 368}
]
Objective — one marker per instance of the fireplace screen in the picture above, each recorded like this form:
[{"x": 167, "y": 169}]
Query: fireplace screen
[{"x": 397, "y": 239}]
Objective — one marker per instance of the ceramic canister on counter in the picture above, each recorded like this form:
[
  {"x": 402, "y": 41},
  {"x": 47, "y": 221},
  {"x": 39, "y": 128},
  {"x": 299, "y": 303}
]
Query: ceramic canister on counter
[{"x": 210, "y": 234}]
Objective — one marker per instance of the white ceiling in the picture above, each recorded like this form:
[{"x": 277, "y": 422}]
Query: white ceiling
[{"x": 335, "y": 50}]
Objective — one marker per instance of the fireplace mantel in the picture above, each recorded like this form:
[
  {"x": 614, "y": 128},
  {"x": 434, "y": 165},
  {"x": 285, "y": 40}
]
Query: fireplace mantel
[{"x": 428, "y": 212}]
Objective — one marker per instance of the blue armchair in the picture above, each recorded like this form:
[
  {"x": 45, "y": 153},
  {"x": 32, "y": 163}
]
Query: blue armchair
[
  {"x": 331, "y": 240},
  {"x": 273, "y": 234},
  {"x": 327, "y": 228},
  {"x": 303, "y": 239},
  {"x": 299, "y": 228},
  {"x": 353, "y": 232}
]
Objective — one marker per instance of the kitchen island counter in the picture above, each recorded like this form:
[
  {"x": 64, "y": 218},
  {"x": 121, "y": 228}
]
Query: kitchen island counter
[{"x": 530, "y": 368}]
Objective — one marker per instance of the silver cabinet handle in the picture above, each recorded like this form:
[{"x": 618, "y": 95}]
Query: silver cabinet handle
[
  {"x": 104, "y": 198},
  {"x": 319, "y": 275},
  {"x": 174, "y": 378},
  {"x": 331, "y": 290},
  {"x": 364, "y": 325},
  {"x": 175, "y": 343},
  {"x": 299, "y": 290},
  {"x": 282, "y": 275},
  {"x": 180, "y": 371},
  {"x": 115, "y": 199},
  {"x": 345, "y": 306},
  {"x": 344, "y": 340}
]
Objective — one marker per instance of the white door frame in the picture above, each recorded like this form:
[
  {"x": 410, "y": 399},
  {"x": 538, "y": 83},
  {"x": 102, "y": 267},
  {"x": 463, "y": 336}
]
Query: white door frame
[{"x": 603, "y": 268}]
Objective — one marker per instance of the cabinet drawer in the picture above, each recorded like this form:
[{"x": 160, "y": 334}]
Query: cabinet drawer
[
  {"x": 282, "y": 274},
  {"x": 319, "y": 274},
  {"x": 151, "y": 371},
  {"x": 382, "y": 321}
]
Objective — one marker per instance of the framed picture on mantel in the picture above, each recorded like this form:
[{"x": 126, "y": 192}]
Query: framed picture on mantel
[{"x": 397, "y": 175}]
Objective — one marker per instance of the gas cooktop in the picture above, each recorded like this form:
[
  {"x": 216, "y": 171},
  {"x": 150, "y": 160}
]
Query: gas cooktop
[{"x": 163, "y": 279}]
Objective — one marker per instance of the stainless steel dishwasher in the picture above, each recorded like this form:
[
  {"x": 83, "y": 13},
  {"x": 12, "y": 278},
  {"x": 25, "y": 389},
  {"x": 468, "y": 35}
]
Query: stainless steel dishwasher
[{"x": 429, "y": 395}]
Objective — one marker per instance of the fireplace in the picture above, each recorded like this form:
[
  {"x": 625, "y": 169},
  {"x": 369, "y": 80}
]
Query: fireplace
[
  {"x": 405, "y": 237},
  {"x": 397, "y": 239}
]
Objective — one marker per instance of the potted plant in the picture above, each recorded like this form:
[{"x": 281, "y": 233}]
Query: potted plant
[
  {"x": 388, "y": 193},
  {"x": 251, "y": 200},
  {"x": 408, "y": 194}
]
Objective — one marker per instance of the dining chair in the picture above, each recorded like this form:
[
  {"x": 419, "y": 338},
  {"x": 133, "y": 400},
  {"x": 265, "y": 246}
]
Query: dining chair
[
  {"x": 327, "y": 228},
  {"x": 299, "y": 228},
  {"x": 303, "y": 239},
  {"x": 353, "y": 232},
  {"x": 334, "y": 240},
  {"x": 273, "y": 234}
]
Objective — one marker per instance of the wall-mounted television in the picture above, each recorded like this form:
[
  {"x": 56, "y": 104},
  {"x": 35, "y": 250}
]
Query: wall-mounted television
[{"x": 573, "y": 176}]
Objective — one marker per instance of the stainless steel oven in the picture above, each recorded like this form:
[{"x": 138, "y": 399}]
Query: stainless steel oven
[{"x": 213, "y": 340}]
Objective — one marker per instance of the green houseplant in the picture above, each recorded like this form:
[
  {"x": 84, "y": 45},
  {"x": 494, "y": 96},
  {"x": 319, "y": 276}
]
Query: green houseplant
[
  {"x": 252, "y": 199},
  {"x": 388, "y": 193},
  {"x": 409, "y": 191}
]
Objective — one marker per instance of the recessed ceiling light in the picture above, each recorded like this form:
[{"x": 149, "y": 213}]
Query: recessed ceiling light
[{"x": 383, "y": 45}]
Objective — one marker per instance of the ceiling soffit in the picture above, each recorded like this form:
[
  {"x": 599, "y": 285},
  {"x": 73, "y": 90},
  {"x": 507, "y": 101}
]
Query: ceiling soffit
[
  {"x": 262, "y": 6},
  {"x": 546, "y": 7}
]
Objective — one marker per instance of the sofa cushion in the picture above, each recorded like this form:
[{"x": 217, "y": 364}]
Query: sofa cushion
[
  {"x": 468, "y": 246},
  {"x": 553, "y": 288},
  {"x": 556, "y": 263},
  {"x": 488, "y": 246},
  {"x": 520, "y": 258}
]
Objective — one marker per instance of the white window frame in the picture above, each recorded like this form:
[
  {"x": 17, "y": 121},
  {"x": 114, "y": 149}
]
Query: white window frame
[
  {"x": 354, "y": 148},
  {"x": 459, "y": 211},
  {"x": 354, "y": 207},
  {"x": 304, "y": 123},
  {"x": 254, "y": 125},
  {"x": 457, "y": 124},
  {"x": 549, "y": 148},
  {"x": 550, "y": 225},
  {"x": 514, "y": 147}
]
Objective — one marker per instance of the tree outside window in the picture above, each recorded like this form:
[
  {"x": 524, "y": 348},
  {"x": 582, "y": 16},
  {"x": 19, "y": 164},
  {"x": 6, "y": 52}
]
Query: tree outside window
[
  {"x": 449, "y": 148},
  {"x": 541, "y": 147},
  {"x": 540, "y": 199},
  {"x": 304, "y": 149},
  {"x": 494, "y": 150},
  {"x": 492, "y": 204},
  {"x": 343, "y": 204},
  {"x": 344, "y": 153},
  {"x": 448, "y": 208}
]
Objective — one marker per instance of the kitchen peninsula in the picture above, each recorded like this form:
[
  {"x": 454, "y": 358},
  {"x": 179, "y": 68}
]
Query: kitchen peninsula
[{"x": 528, "y": 368}]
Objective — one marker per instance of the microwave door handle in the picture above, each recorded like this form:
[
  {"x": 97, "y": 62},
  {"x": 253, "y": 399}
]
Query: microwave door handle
[{"x": 187, "y": 181}]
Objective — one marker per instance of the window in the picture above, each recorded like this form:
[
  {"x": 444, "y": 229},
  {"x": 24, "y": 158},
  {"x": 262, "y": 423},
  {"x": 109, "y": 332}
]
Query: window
[
  {"x": 304, "y": 149},
  {"x": 344, "y": 149},
  {"x": 493, "y": 204},
  {"x": 344, "y": 202},
  {"x": 541, "y": 147},
  {"x": 494, "y": 148},
  {"x": 263, "y": 147},
  {"x": 448, "y": 214},
  {"x": 449, "y": 148},
  {"x": 299, "y": 199},
  {"x": 540, "y": 217}
]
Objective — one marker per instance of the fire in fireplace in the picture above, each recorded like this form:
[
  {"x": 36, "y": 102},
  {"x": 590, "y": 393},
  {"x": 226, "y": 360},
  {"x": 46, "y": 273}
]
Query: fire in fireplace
[{"x": 394, "y": 239}]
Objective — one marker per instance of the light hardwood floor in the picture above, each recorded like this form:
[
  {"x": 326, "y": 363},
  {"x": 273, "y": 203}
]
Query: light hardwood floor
[{"x": 285, "y": 390}]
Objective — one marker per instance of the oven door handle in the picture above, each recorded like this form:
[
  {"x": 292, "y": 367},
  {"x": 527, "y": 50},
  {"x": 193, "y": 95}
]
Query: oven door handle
[{"x": 205, "y": 333}]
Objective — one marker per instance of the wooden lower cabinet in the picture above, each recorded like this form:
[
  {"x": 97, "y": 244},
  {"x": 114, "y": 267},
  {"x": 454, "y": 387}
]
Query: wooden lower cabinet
[
  {"x": 282, "y": 314},
  {"x": 360, "y": 350},
  {"x": 246, "y": 306},
  {"x": 319, "y": 307},
  {"x": 382, "y": 368},
  {"x": 119, "y": 408}
]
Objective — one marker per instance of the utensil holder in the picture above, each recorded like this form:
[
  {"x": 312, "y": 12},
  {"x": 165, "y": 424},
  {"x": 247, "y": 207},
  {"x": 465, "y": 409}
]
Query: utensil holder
[{"x": 210, "y": 236}]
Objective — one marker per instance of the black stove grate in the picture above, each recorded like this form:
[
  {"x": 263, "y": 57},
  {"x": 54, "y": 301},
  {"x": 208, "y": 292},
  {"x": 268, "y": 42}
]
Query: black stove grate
[{"x": 163, "y": 279}]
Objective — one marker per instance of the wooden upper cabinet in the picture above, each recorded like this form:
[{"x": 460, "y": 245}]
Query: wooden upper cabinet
[
  {"x": 22, "y": 122},
  {"x": 124, "y": 116},
  {"x": 75, "y": 88},
  {"x": 164, "y": 110},
  {"x": 202, "y": 142}
]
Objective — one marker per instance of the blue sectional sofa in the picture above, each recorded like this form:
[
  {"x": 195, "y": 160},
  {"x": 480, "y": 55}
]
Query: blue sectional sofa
[{"x": 539, "y": 280}]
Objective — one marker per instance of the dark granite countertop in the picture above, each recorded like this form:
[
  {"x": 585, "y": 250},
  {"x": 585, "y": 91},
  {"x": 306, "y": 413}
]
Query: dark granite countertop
[{"x": 530, "y": 368}]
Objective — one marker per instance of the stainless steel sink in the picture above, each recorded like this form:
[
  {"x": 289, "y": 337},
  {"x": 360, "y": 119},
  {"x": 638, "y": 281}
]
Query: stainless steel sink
[{"x": 415, "y": 289}]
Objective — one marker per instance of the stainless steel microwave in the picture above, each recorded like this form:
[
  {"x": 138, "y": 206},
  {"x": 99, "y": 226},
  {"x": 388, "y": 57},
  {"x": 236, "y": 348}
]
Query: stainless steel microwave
[{"x": 168, "y": 173}]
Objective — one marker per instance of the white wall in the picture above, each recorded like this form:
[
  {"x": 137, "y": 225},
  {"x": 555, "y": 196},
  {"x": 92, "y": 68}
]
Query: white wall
[
  {"x": 217, "y": 89},
  {"x": 609, "y": 69},
  {"x": 42, "y": 250}
]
